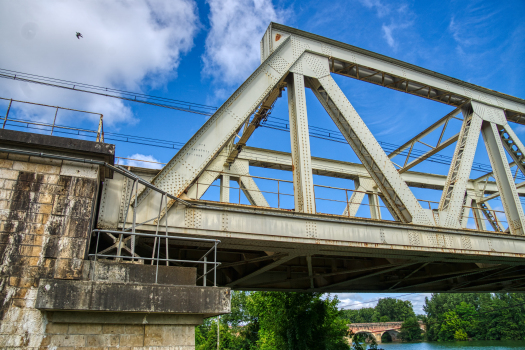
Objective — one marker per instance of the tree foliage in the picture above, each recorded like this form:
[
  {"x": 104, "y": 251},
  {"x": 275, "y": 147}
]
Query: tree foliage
[
  {"x": 482, "y": 316},
  {"x": 410, "y": 330},
  {"x": 276, "y": 320},
  {"x": 386, "y": 310}
]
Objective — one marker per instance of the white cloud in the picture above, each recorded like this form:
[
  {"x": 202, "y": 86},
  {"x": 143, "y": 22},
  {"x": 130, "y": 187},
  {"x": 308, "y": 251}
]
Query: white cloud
[
  {"x": 125, "y": 45},
  {"x": 141, "y": 160},
  {"x": 232, "y": 45},
  {"x": 380, "y": 8},
  {"x": 356, "y": 301},
  {"x": 387, "y": 34}
]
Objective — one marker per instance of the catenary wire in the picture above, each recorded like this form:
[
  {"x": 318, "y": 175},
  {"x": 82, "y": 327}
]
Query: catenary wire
[{"x": 200, "y": 109}]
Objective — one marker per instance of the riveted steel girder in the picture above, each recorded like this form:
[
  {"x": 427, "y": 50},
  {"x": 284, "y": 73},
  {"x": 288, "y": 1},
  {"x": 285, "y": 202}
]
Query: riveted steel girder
[
  {"x": 304, "y": 196},
  {"x": 394, "y": 74}
]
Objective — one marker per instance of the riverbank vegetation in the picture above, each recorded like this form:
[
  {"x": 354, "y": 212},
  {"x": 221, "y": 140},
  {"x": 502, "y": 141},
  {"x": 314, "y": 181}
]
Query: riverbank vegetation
[
  {"x": 297, "y": 321},
  {"x": 478, "y": 316}
]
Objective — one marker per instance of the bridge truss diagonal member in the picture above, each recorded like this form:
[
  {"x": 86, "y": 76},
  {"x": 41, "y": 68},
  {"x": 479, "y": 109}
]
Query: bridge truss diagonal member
[{"x": 399, "y": 199}]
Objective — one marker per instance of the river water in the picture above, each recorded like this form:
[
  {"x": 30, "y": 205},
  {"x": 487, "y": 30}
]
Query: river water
[{"x": 464, "y": 345}]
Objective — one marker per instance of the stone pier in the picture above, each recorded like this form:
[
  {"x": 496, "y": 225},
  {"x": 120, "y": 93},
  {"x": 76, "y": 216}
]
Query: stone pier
[{"x": 52, "y": 296}]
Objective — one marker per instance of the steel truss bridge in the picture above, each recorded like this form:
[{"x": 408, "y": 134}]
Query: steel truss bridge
[{"x": 420, "y": 247}]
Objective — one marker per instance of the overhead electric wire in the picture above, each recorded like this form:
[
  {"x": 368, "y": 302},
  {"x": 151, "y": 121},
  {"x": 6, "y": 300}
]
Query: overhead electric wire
[
  {"x": 332, "y": 135},
  {"x": 109, "y": 92}
]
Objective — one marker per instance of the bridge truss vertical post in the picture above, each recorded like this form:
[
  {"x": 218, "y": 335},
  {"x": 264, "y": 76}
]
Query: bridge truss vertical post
[
  {"x": 225, "y": 188},
  {"x": 453, "y": 197},
  {"x": 304, "y": 196},
  {"x": 504, "y": 178}
]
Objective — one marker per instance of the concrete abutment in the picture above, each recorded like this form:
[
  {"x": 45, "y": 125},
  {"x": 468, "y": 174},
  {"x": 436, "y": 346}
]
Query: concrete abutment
[{"x": 54, "y": 297}]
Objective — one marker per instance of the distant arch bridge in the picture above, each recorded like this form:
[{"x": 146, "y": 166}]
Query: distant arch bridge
[{"x": 378, "y": 329}]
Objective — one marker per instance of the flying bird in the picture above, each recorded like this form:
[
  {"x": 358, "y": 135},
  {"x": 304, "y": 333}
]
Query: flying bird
[{"x": 79, "y": 35}]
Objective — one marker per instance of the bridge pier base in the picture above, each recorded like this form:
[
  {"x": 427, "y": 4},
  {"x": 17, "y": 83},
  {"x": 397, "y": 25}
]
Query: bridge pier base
[{"x": 51, "y": 295}]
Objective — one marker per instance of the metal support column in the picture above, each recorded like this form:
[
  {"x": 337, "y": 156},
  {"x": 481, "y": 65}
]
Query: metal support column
[
  {"x": 300, "y": 138},
  {"x": 225, "y": 188},
  {"x": 453, "y": 197},
  {"x": 504, "y": 178}
]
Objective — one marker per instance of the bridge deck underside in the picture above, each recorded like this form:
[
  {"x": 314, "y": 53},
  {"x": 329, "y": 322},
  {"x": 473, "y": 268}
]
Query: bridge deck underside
[{"x": 266, "y": 249}]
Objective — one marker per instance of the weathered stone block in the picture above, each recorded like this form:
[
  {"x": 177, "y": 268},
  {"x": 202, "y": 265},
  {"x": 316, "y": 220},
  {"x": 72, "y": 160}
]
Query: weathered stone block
[
  {"x": 8, "y": 174},
  {"x": 102, "y": 340},
  {"x": 56, "y": 328},
  {"x": 82, "y": 328},
  {"x": 113, "y": 329},
  {"x": 66, "y": 340},
  {"x": 5, "y": 163},
  {"x": 162, "y": 335},
  {"x": 132, "y": 340},
  {"x": 134, "y": 329}
]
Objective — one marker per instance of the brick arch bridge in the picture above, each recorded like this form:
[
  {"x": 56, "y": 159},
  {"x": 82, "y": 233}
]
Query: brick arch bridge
[{"x": 377, "y": 329}]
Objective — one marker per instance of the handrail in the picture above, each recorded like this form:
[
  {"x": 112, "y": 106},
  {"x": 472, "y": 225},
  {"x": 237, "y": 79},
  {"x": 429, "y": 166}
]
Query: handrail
[{"x": 99, "y": 132}]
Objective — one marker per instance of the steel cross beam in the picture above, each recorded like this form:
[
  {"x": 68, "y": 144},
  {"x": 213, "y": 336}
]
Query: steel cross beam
[
  {"x": 439, "y": 146},
  {"x": 265, "y": 158}
]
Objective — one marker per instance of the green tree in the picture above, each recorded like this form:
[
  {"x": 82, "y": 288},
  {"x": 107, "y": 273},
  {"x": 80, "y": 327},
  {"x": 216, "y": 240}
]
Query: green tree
[
  {"x": 297, "y": 321},
  {"x": 458, "y": 322},
  {"x": 363, "y": 315},
  {"x": 410, "y": 330},
  {"x": 392, "y": 310}
]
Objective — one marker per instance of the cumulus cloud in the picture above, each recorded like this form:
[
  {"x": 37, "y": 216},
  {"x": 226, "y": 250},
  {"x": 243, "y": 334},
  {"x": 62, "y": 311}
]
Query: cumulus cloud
[
  {"x": 141, "y": 160},
  {"x": 126, "y": 45},
  {"x": 356, "y": 301},
  {"x": 232, "y": 45}
]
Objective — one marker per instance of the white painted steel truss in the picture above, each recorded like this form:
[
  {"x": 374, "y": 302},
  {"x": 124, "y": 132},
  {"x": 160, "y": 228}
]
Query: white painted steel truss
[{"x": 297, "y": 60}]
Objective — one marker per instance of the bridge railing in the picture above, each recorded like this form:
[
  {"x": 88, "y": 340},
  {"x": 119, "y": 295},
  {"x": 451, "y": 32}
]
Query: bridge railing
[
  {"x": 121, "y": 238},
  {"x": 47, "y": 127},
  {"x": 344, "y": 201}
]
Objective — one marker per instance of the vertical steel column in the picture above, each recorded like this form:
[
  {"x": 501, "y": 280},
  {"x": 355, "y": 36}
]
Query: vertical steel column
[
  {"x": 469, "y": 201},
  {"x": 478, "y": 216},
  {"x": 54, "y": 121},
  {"x": 225, "y": 188},
  {"x": 304, "y": 196},
  {"x": 373, "y": 202},
  {"x": 204, "y": 271},
  {"x": 361, "y": 185},
  {"x": 504, "y": 179},
  {"x": 453, "y": 197},
  {"x": 7, "y": 113}
]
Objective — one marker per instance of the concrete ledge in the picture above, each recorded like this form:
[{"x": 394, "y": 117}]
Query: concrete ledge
[
  {"x": 122, "y": 318},
  {"x": 71, "y": 295},
  {"x": 59, "y": 145},
  {"x": 111, "y": 271}
]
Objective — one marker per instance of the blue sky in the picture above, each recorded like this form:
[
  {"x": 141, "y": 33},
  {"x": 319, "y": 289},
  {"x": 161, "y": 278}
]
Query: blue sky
[{"x": 201, "y": 51}]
